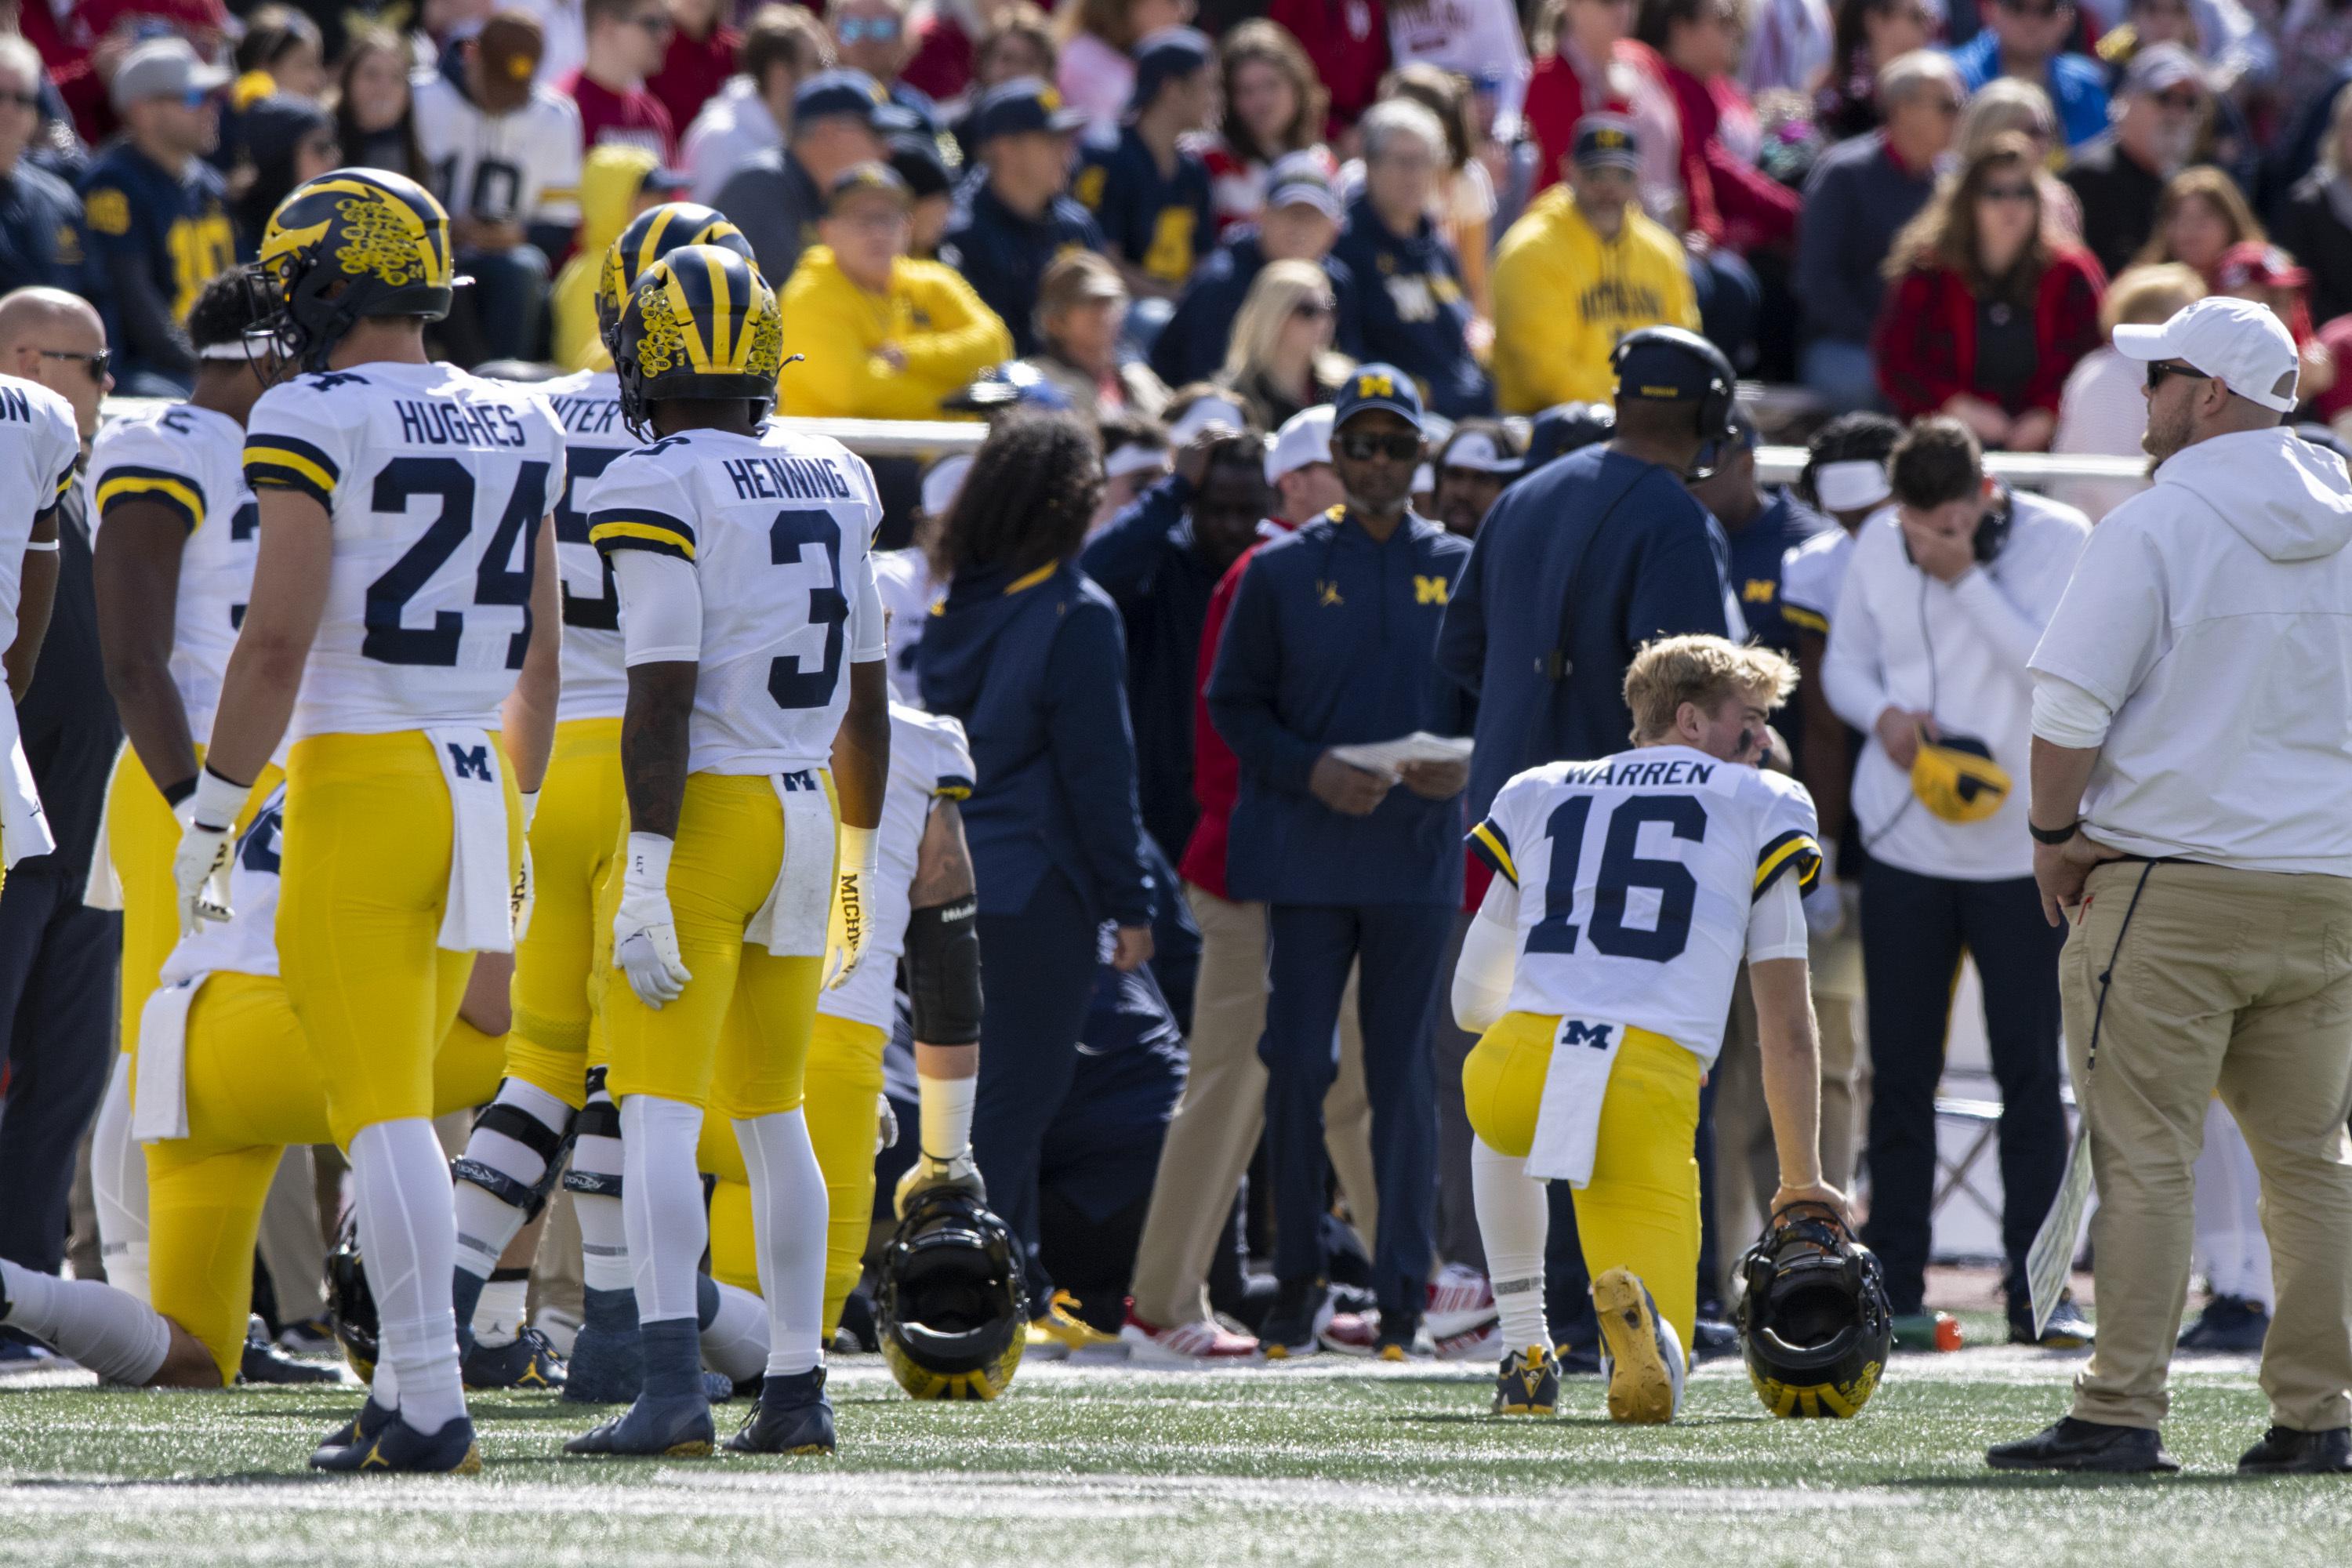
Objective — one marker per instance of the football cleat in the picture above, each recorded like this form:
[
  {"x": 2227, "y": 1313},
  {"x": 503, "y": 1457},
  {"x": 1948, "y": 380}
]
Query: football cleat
[
  {"x": 2228, "y": 1323},
  {"x": 1463, "y": 1323},
  {"x": 2066, "y": 1330},
  {"x": 607, "y": 1365},
  {"x": 1528, "y": 1383},
  {"x": 264, "y": 1362},
  {"x": 1640, "y": 1354},
  {"x": 1059, "y": 1334},
  {"x": 792, "y": 1417},
  {"x": 1294, "y": 1325},
  {"x": 361, "y": 1429},
  {"x": 312, "y": 1336},
  {"x": 527, "y": 1360},
  {"x": 1203, "y": 1341},
  {"x": 398, "y": 1448},
  {"x": 675, "y": 1426},
  {"x": 1350, "y": 1333}
]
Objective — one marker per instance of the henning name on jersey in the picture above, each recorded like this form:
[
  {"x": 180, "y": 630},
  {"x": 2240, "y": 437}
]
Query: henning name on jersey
[
  {"x": 438, "y": 423},
  {"x": 1620, "y": 773},
  {"x": 787, "y": 479}
]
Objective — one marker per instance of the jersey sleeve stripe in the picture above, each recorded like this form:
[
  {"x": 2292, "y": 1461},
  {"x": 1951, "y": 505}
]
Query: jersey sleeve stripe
[
  {"x": 283, "y": 462},
  {"x": 65, "y": 482},
  {"x": 1791, "y": 848},
  {"x": 1487, "y": 842},
  {"x": 640, "y": 529},
  {"x": 179, "y": 494},
  {"x": 953, "y": 786},
  {"x": 1797, "y": 616}
]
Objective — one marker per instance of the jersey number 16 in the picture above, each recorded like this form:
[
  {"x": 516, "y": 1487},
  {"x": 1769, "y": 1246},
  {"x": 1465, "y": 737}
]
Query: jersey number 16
[{"x": 1622, "y": 869}]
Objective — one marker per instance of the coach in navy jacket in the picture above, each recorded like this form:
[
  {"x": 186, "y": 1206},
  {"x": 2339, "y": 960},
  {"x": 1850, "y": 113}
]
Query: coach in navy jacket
[{"x": 1330, "y": 643}]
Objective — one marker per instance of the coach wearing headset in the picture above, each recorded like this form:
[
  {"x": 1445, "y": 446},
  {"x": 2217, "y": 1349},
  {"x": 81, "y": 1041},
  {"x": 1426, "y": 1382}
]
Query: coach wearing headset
[{"x": 1948, "y": 591}]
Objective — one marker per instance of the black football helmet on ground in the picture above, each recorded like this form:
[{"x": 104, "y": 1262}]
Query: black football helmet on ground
[
  {"x": 346, "y": 245},
  {"x": 350, "y": 1305},
  {"x": 1814, "y": 1325},
  {"x": 953, "y": 1313}
]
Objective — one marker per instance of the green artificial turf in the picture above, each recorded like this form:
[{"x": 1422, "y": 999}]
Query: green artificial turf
[{"x": 1324, "y": 1462}]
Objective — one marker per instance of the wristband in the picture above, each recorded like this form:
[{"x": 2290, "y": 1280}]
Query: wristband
[
  {"x": 217, "y": 800},
  {"x": 2054, "y": 834},
  {"x": 529, "y": 806},
  {"x": 175, "y": 794},
  {"x": 648, "y": 865},
  {"x": 861, "y": 849}
]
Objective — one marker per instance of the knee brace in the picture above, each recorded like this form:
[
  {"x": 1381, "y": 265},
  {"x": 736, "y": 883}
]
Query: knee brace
[
  {"x": 600, "y": 1117},
  {"x": 943, "y": 972},
  {"x": 527, "y": 1130}
]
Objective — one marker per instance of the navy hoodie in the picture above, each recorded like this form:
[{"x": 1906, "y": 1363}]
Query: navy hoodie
[
  {"x": 1330, "y": 643},
  {"x": 1408, "y": 310},
  {"x": 1032, "y": 667},
  {"x": 1191, "y": 346}
]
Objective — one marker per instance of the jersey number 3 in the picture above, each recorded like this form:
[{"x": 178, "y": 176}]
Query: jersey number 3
[
  {"x": 388, "y": 641},
  {"x": 810, "y": 544},
  {"x": 1622, "y": 869}
]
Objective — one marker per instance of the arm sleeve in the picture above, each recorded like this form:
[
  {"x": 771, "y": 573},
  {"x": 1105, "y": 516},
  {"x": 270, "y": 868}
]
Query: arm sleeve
[
  {"x": 2066, "y": 715},
  {"x": 1776, "y": 923},
  {"x": 132, "y": 463},
  {"x": 2073, "y": 330},
  {"x": 1093, "y": 747},
  {"x": 148, "y": 328},
  {"x": 1124, "y": 558},
  {"x": 1482, "y": 977},
  {"x": 1852, "y": 676},
  {"x": 557, "y": 202},
  {"x": 2011, "y": 627},
  {"x": 661, "y": 608},
  {"x": 953, "y": 775},
  {"x": 1243, "y": 686},
  {"x": 294, "y": 441}
]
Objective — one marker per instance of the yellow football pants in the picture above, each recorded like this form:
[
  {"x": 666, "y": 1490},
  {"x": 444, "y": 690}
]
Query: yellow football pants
[
  {"x": 142, "y": 836},
  {"x": 1641, "y": 1209},
  {"x": 737, "y": 1042},
  {"x": 843, "y": 1087},
  {"x": 254, "y": 1087},
  {"x": 582, "y": 819},
  {"x": 366, "y": 877}
]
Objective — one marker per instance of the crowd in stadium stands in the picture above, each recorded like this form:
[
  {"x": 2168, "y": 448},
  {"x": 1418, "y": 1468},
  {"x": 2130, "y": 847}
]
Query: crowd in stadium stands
[{"x": 1187, "y": 222}]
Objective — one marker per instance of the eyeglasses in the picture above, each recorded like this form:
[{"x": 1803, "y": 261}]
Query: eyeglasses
[
  {"x": 2024, "y": 192},
  {"x": 95, "y": 364},
  {"x": 2158, "y": 370},
  {"x": 196, "y": 97},
  {"x": 1313, "y": 310},
  {"x": 867, "y": 30},
  {"x": 1360, "y": 447}
]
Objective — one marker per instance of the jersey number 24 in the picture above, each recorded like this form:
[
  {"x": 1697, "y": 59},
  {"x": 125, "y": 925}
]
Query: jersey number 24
[
  {"x": 1622, "y": 869},
  {"x": 388, "y": 641}
]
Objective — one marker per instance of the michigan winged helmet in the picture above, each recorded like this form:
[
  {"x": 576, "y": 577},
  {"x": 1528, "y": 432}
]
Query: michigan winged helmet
[
  {"x": 952, "y": 1313},
  {"x": 652, "y": 235},
  {"x": 346, "y": 245},
  {"x": 700, "y": 323},
  {"x": 1815, "y": 1325}
]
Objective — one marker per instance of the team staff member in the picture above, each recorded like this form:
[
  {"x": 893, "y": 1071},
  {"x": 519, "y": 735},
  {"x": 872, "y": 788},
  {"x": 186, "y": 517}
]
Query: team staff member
[
  {"x": 1942, "y": 602},
  {"x": 1027, "y": 652},
  {"x": 1147, "y": 190},
  {"x": 1548, "y": 617},
  {"x": 154, "y": 208},
  {"x": 1013, "y": 219},
  {"x": 1581, "y": 269},
  {"x": 1327, "y": 646},
  {"x": 2190, "y": 707}
]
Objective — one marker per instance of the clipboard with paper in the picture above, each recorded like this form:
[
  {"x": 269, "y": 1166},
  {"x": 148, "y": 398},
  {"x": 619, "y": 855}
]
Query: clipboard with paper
[{"x": 1385, "y": 757}]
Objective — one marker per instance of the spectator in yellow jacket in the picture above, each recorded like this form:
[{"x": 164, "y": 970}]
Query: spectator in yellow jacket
[
  {"x": 1583, "y": 267},
  {"x": 617, "y": 182},
  {"x": 885, "y": 336}
]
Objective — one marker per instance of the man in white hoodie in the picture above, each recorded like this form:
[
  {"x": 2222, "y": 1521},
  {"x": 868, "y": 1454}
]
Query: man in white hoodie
[
  {"x": 1948, "y": 591},
  {"x": 2192, "y": 763}
]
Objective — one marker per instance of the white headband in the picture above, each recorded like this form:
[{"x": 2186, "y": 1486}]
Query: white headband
[
  {"x": 1205, "y": 412},
  {"x": 1851, "y": 486},
  {"x": 246, "y": 347},
  {"x": 1136, "y": 458}
]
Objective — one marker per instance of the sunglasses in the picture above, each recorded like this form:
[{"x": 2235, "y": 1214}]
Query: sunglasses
[
  {"x": 2008, "y": 193},
  {"x": 95, "y": 364},
  {"x": 2159, "y": 370},
  {"x": 1358, "y": 447},
  {"x": 867, "y": 30}
]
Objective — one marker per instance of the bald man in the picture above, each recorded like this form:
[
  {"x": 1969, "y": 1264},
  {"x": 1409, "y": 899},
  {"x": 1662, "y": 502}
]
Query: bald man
[{"x": 58, "y": 955}]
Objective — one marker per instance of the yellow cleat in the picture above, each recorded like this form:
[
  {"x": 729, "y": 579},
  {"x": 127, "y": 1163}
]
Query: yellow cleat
[
  {"x": 1639, "y": 1352},
  {"x": 1059, "y": 1333}
]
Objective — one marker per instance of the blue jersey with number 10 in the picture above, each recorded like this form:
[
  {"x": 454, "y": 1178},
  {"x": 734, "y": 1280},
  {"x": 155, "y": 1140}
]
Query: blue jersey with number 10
[
  {"x": 779, "y": 527},
  {"x": 1637, "y": 875}
]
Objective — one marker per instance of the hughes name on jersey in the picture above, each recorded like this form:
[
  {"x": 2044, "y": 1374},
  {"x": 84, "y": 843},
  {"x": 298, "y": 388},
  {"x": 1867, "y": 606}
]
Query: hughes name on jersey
[
  {"x": 190, "y": 461},
  {"x": 588, "y": 405},
  {"x": 779, "y": 528},
  {"x": 1638, "y": 876},
  {"x": 435, "y": 483}
]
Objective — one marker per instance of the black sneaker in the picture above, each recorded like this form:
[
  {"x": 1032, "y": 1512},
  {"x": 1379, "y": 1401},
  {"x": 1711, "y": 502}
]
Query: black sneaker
[
  {"x": 2228, "y": 1324},
  {"x": 263, "y": 1362},
  {"x": 2283, "y": 1451},
  {"x": 361, "y": 1429},
  {"x": 792, "y": 1417},
  {"x": 2067, "y": 1329},
  {"x": 527, "y": 1360},
  {"x": 2072, "y": 1444},
  {"x": 1300, "y": 1306}
]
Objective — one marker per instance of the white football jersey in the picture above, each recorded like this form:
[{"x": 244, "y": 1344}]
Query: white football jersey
[
  {"x": 523, "y": 167},
  {"x": 1637, "y": 875},
  {"x": 435, "y": 482},
  {"x": 930, "y": 762},
  {"x": 246, "y": 942},
  {"x": 903, "y": 578},
  {"x": 39, "y": 445},
  {"x": 779, "y": 527},
  {"x": 1813, "y": 575},
  {"x": 588, "y": 405},
  {"x": 190, "y": 460}
]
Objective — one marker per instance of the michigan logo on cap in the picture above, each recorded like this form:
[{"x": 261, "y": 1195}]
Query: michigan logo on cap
[
  {"x": 1050, "y": 97},
  {"x": 1372, "y": 384},
  {"x": 1957, "y": 779},
  {"x": 1610, "y": 136}
]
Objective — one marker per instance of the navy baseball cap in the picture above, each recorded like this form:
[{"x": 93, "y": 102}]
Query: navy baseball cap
[
  {"x": 1566, "y": 427},
  {"x": 858, "y": 178},
  {"x": 850, "y": 94},
  {"x": 1162, "y": 57},
  {"x": 1607, "y": 142},
  {"x": 915, "y": 158},
  {"x": 1376, "y": 386},
  {"x": 1024, "y": 103}
]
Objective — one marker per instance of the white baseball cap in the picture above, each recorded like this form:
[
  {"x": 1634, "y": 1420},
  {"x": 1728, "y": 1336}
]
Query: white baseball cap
[
  {"x": 1305, "y": 438},
  {"x": 2239, "y": 342},
  {"x": 942, "y": 482}
]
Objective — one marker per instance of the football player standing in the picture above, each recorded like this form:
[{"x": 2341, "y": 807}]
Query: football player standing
[
  {"x": 753, "y": 637},
  {"x": 405, "y": 590},
  {"x": 1600, "y": 969}
]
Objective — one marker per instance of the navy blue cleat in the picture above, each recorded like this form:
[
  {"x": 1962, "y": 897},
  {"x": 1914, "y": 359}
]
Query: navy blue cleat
[
  {"x": 794, "y": 1416},
  {"x": 398, "y": 1448},
  {"x": 362, "y": 1430},
  {"x": 527, "y": 1360},
  {"x": 263, "y": 1362},
  {"x": 675, "y": 1426},
  {"x": 607, "y": 1365},
  {"x": 1528, "y": 1383}
]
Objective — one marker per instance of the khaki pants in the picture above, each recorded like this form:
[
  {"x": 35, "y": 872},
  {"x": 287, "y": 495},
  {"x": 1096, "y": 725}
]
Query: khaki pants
[
  {"x": 1216, "y": 1125},
  {"x": 2240, "y": 980}
]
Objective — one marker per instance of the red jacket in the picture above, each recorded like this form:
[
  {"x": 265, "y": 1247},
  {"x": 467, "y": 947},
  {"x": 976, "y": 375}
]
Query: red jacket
[
  {"x": 1216, "y": 772},
  {"x": 1926, "y": 341},
  {"x": 1347, "y": 41},
  {"x": 1555, "y": 103},
  {"x": 693, "y": 73},
  {"x": 1731, "y": 201},
  {"x": 942, "y": 66}
]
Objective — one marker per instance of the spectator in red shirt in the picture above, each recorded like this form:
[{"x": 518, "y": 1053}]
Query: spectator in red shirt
[
  {"x": 1990, "y": 307},
  {"x": 1273, "y": 105},
  {"x": 1349, "y": 42},
  {"x": 700, "y": 59},
  {"x": 627, "y": 41},
  {"x": 1588, "y": 64},
  {"x": 1729, "y": 199}
]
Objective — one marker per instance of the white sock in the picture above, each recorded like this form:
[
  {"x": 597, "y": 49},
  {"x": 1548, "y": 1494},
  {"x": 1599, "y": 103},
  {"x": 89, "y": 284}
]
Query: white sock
[
  {"x": 487, "y": 1222},
  {"x": 400, "y": 1182},
  {"x": 498, "y": 1314},
  {"x": 945, "y": 1109},
  {"x": 661, "y": 1204},
  {"x": 604, "y": 1236},
  {"x": 1514, "y": 1218},
  {"x": 735, "y": 1342},
  {"x": 107, "y": 1330},
  {"x": 118, "y": 1180},
  {"x": 789, "y": 1213}
]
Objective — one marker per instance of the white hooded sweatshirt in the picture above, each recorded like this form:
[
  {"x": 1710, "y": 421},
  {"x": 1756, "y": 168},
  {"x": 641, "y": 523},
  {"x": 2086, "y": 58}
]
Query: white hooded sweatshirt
[{"x": 2212, "y": 616}]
